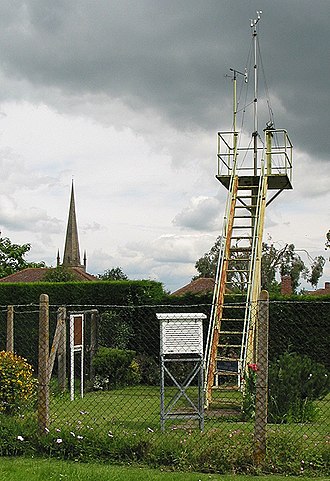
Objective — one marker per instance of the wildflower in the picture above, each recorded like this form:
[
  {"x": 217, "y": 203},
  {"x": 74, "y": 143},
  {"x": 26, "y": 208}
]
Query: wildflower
[
  {"x": 72, "y": 434},
  {"x": 58, "y": 430},
  {"x": 20, "y": 438},
  {"x": 110, "y": 434},
  {"x": 80, "y": 437},
  {"x": 46, "y": 430},
  {"x": 150, "y": 430},
  {"x": 59, "y": 440}
]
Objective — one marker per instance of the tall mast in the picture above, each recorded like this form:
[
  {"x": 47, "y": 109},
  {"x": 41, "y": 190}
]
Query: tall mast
[{"x": 255, "y": 102}]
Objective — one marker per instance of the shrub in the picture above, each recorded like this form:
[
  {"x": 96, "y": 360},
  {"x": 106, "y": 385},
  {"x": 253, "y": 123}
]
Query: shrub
[
  {"x": 17, "y": 384},
  {"x": 149, "y": 369},
  {"x": 115, "y": 367},
  {"x": 295, "y": 381}
]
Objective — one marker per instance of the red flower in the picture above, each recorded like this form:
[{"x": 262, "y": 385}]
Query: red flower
[{"x": 253, "y": 366}]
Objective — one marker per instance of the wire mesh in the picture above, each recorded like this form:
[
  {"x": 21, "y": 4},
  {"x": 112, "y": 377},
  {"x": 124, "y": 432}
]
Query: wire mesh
[{"x": 121, "y": 377}]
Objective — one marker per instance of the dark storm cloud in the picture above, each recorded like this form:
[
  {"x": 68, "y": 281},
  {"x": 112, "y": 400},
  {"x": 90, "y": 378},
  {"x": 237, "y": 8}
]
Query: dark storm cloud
[{"x": 172, "y": 56}]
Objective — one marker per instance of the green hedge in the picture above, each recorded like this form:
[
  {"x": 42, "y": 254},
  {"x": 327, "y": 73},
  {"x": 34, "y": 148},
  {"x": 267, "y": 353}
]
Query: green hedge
[
  {"x": 297, "y": 323},
  {"x": 83, "y": 293}
]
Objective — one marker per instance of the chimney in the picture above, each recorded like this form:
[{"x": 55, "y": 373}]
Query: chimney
[
  {"x": 286, "y": 285},
  {"x": 327, "y": 285}
]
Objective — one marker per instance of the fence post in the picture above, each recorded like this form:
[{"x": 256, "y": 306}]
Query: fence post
[
  {"x": 261, "y": 402},
  {"x": 10, "y": 329},
  {"x": 43, "y": 386},
  {"x": 61, "y": 353},
  {"x": 93, "y": 348}
]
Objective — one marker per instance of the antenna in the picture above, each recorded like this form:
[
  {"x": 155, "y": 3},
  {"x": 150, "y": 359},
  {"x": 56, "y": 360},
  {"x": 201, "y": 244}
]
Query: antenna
[
  {"x": 256, "y": 20},
  {"x": 255, "y": 101}
]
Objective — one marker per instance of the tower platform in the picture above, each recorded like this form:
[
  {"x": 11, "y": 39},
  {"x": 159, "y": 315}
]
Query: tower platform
[{"x": 275, "y": 181}]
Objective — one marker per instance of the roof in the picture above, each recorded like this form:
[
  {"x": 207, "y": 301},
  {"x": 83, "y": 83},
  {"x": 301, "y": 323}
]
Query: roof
[
  {"x": 37, "y": 274},
  {"x": 325, "y": 291},
  {"x": 202, "y": 285}
]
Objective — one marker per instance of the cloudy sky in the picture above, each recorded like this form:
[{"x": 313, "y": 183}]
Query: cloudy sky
[{"x": 126, "y": 97}]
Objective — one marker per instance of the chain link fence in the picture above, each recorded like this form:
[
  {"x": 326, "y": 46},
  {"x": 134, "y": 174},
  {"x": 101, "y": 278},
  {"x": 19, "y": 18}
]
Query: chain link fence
[{"x": 107, "y": 374}]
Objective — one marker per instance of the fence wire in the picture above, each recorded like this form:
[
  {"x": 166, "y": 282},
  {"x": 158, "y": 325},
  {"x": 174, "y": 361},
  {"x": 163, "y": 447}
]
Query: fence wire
[{"x": 114, "y": 375}]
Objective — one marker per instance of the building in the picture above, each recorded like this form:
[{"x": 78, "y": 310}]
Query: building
[
  {"x": 200, "y": 286},
  {"x": 325, "y": 291}
]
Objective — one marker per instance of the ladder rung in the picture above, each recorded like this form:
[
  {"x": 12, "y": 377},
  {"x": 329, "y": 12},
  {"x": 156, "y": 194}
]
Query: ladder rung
[
  {"x": 228, "y": 283},
  {"x": 237, "y": 270},
  {"x": 241, "y": 249},
  {"x": 222, "y": 372},
  {"x": 238, "y": 259},
  {"x": 224, "y": 358},
  {"x": 229, "y": 345},
  {"x": 242, "y": 227},
  {"x": 233, "y": 319},
  {"x": 231, "y": 332},
  {"x": 227, "y": 388},
  {"x": 246, "y": 187},
  {"x": 241, "y": 237},
  {"x": 231, "y": 306}
]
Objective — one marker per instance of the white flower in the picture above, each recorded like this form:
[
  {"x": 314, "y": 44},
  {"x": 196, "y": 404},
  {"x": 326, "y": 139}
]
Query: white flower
[
  {"x": 150, "y": 430},
  {"x": 80, "y": 437},
  {"x": 72, "y": 434},
  {"x": 59, "y": 440},
  {"x": 20, "y": 438}
]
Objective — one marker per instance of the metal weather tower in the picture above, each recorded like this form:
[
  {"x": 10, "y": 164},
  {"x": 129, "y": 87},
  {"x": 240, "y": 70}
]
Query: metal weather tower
[{"x": 254, "y": 175}]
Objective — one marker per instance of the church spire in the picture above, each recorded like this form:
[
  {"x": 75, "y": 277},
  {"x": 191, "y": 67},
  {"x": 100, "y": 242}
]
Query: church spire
[{"x": 71, "y": 256}]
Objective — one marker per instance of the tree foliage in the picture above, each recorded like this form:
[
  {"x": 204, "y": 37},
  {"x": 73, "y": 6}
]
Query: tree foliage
[
  {"x": 114, "y": 274},
  {"x": 207, "y": 265},
  {"x": 59, "y": 274},
  {"x": 12, "y": 257},
  {"x": 275, "y": 263}
]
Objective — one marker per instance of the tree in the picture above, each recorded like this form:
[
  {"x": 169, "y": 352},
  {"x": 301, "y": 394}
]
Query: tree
[
  {"x": 12, "y": 257},
  {"x": 275, "y": 262},
  {"x": 59, "y": 274},
  {"x": 114, "y": 274},
  {"x": 207, "y": 265},
  {"x": 327, "y": 241}
]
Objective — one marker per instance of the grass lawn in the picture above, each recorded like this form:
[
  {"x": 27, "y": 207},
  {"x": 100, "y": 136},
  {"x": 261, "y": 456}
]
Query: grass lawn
[
  {"x": 138, "y": 408},
  {"x": 24, "y": 469}
]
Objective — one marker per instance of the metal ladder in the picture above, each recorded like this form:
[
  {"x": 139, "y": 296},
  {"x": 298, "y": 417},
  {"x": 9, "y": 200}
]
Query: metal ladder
[{"x": 230, "y": 341}]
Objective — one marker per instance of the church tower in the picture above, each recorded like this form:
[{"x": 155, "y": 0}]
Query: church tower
[{"x": 71, "y": 257}]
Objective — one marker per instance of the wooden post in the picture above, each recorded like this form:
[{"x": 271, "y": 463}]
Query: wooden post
[
  {"x": 93, "y": 348},
  {"x": 62, "y": 351},
  {"x": 260, "y": 427},
  {"x": 58, "y": 347},
  {"x": 10, "y": 329},
  {"x": 43, "y": 378}
]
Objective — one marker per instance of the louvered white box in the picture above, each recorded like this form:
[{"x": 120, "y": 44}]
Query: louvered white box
[{"x": 181, "y": 333}]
